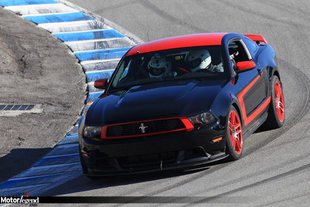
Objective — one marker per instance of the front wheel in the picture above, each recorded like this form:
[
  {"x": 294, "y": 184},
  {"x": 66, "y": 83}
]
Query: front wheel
[
  {"x": 276, "y": 113},
  {"x": 234, "y": 135}
]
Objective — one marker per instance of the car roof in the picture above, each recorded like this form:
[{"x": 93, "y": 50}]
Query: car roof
[{"x": 193, "y": 40}]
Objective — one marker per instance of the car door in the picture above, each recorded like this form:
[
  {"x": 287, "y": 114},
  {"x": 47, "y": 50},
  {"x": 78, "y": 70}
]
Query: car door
[{"x": 251, "y": 84}]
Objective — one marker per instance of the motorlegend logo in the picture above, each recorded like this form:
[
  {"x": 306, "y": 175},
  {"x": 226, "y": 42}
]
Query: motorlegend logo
[{"x": 20, "y": 200}]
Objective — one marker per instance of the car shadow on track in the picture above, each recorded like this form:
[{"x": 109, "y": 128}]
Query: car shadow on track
[
  {"x": 18, "y": 160},
  {"x": 83, "y": 183},
  {"x": 264, "y": 128}
]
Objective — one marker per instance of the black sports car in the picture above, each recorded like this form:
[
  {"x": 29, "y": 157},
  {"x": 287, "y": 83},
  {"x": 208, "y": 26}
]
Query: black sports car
[{"x": 181, "y": 102}]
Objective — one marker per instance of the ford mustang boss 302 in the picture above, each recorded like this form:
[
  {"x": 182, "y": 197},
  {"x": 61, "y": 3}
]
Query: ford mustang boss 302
[{"x": 181, "y": 102}]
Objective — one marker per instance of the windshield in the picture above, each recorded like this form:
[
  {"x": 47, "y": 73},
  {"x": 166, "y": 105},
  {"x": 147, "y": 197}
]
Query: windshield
[{"x": 170, "y": 65}]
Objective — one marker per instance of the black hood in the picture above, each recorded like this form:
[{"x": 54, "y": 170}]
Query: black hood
[{"x": 143, "y": 102}]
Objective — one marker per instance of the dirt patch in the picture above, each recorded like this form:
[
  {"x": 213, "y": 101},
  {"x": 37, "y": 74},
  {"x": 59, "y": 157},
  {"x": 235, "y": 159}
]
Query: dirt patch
[{"x": 35, "y": 68}]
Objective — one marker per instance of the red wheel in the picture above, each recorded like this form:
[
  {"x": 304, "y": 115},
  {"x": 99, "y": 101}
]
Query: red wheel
[
  {"x": 234, "y": 135},
  {"x": 279, "y": 100},
  {"x": 276, "y": 113}
]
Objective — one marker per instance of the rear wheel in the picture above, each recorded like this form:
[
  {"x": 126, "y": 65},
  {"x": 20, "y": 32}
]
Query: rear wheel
[
  {"x": 276, "y": 114},
  {"x": 234, "y": 135}
]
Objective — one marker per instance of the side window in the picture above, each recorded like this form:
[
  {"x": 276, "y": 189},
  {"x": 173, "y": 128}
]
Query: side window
[
  {"x": 125, "y": 68},
  {"x": 122, "y": 72},
  {"x": 252, "y": 46},
  {"x": 237, "y": 51}
]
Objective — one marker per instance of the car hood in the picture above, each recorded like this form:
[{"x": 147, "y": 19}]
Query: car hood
[{"x": 151, "y": 101}]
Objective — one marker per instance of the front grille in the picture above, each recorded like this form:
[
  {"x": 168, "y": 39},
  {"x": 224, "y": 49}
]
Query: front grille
[{"x": 144, "y": 127}]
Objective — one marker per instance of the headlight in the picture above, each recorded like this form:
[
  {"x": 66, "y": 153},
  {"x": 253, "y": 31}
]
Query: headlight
[
  {"x": 92, "y": 132},
  {"x": 202, "y": 119}
]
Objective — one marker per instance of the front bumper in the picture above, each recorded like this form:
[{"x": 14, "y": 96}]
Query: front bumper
[{"x": 154, "y": 153}]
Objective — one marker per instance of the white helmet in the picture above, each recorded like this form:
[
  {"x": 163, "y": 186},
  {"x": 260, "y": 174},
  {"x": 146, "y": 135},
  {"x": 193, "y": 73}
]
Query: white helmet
[
  {"x": 158, "y": 66},
  {"x": 199, "y": 59}
]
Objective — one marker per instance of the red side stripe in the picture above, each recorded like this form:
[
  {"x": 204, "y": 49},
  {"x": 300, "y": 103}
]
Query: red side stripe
[
  {"x": 253, "y": 115},
  {"x": 258, "y": 110}
]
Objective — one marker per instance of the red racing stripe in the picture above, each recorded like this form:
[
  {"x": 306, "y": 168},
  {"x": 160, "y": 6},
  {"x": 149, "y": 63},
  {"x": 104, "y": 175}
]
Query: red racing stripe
[{"x": 254, "y": 114}]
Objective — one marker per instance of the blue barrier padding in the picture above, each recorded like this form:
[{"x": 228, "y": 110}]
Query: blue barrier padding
[
  {"x": 62, "y": 163},
  {"x": 70, "y": 158},
  {"x": 105, "y": 65},
  {"x": 77, "y": 36},
  {"x": 71, "y": 136},
  {"x": 25, "y": 2},
  {"x": 37, "y": 184},
  {"x": 18, "y": 191},
  {"x": 101, "y": 54},
  {"x": 47, "y": 170},
  {"x": 93, "y": 96},
  {"x": 103, "y": 74},
  {"x": 66, "y": 141},
  {"x": 52, "y": 18},
  {"x": 29, "y": 181},
  {"x": 64, "y": 149}
]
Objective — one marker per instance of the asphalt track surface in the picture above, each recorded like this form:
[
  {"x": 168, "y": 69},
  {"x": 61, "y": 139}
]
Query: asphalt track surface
[{"x": 275, "y": 169}]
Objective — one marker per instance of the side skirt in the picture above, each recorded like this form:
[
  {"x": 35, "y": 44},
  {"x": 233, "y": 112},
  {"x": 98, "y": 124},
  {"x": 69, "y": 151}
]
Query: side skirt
[{"x": 251, "y": 128}]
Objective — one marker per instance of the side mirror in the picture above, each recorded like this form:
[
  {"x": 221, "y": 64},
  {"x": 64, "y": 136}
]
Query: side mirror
[
  {"x": 101, "y": 83},
  {"x": 245, "y": 65}
]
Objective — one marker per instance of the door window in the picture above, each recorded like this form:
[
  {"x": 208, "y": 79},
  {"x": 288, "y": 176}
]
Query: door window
[{"x": 238, "y": 52}]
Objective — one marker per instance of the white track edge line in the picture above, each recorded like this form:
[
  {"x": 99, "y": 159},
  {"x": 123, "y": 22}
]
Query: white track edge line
[
  {"x": 50, "y": 14},
  {"x": 85, "y": 62}
]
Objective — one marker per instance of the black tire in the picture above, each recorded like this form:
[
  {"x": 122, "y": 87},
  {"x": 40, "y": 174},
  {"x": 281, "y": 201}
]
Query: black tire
[
  {"x": 234, "y": 152},
  {"x": 275, "y": 120}
]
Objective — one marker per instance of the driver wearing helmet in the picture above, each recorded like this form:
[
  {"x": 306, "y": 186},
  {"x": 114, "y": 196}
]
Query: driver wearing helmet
[
  {"x": 200, "y": 59},
  {"x": 159, "y": 67}
]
